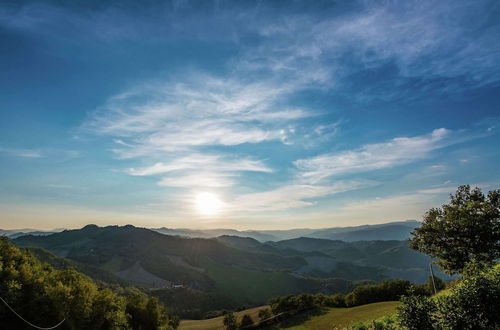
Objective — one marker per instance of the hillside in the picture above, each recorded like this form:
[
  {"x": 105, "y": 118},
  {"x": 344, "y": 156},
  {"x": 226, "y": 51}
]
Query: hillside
[
  {"x": 66, "y": 299},
  {"x": 317, "y": 319},
  {"x": 216, "y": 323},
  {"x": 228, "y": 271},
  {"x": 196, "y": 266},
  {"x": 336, "y": 318}
]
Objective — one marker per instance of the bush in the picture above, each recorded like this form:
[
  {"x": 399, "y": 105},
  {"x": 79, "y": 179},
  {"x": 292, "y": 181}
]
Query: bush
[
  {"x": 390, "y": 322},
  {"x": 230, "y": 321},
  {"x": 416, "y": 312},
  {"x": 246, "y": 321},
  {"x": 388, "y": 290},
  {"x": 264, "y": 314},
  {"x": 472, "y": 303}
]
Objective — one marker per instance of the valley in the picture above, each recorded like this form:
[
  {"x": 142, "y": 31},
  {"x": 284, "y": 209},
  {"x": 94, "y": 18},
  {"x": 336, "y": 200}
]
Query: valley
[{"x": 227, "y": 271}]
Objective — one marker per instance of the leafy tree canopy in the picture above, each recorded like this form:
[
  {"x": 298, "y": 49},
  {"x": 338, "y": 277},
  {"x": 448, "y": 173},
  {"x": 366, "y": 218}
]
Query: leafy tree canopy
[{"x": 466, "y": 229}]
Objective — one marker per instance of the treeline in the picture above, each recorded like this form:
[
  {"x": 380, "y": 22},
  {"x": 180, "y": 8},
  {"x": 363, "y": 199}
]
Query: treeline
[
  {"x": 388, "y": 290},
  {"x": 285, "y": 307},
  {"x": 44, "y": 296}
]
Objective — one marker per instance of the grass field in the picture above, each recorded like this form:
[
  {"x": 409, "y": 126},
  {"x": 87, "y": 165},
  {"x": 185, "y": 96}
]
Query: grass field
[
  {"x": 337, "y": 318},
  {"x": 216, "y": 323},
  {"x": 318, "y": 319}
]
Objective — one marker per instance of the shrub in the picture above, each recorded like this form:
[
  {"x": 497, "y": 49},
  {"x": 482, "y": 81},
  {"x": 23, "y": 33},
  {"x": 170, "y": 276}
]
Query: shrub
[
  {"x": 230, "y": 321},
  {"x": 472, "y": 303},
  {"x": 264, "y": 314},
  {"x": 416, "y": 312},
  {"x": 246, "y": 321}
]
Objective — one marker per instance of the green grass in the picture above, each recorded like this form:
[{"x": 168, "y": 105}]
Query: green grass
[
  {"x": 216, "y": 323},
  {"x": 337, "y": 318},
  {"x": 317, "y": 319}
]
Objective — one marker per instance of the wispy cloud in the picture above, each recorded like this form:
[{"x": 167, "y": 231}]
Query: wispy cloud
[
  {"x": 291, "y": 196},
  {"x": 24, "y": 153},
  {"x": 398, "y": 151},
  {"x": 171, "y": 116},
  {"x": 430, "y": 47},
  {"x": 200, "y": 170}
]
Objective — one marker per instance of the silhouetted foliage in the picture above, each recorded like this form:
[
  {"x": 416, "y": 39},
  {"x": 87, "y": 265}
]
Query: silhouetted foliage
[
  {"x": 246, "y": 321},
  {"x": 465, "y": 229},
  {"x": 230, "y": 322},
  {"x": 264, "y": 314}
]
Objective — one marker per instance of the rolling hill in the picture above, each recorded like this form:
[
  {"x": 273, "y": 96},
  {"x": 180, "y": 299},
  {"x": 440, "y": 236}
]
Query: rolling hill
[
  {"x": 191, "y": 266},
  {"x": 227, "y": 271}
]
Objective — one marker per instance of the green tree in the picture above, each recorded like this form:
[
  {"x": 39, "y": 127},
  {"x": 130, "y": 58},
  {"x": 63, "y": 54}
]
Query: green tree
[
  {"x": 472, "y": 303},
  {"x": 230, "y": 321},
  {"x": 468, "y": 228},
  {"x": 45, "y": 296}
]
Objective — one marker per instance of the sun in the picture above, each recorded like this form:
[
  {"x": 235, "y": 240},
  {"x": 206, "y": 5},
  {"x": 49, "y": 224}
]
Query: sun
[{"x": 207, "y": 203}]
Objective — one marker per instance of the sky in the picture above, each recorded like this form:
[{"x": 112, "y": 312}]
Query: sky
[{"x": 244, "y": 114}]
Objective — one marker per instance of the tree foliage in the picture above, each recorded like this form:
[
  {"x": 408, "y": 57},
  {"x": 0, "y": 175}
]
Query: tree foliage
[
  {"x": 472, "y": 303},
  {"x": 246, "y": 321},
  {"x": 264, "y": 314},
  {"x": 230, "y": 322},
  {"x": 44, "y": 296},
  {"x": 468, "y": 228}
]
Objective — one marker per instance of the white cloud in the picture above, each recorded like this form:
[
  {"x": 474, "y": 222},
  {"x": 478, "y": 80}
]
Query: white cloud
[
  {"x": 24, "y": 153},
  {"x": 200, "y": 170},
  {"x": 398, "y": 151},
  {"x": 198, "y": 161},
  {"x": 205, "y": 111},
  {"x": 290, "y": 196},
  {"x": 427, "y": 40}
]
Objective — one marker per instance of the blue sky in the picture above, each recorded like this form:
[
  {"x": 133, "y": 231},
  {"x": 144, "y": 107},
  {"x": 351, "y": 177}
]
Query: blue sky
[{"x": 244, "y": 114}]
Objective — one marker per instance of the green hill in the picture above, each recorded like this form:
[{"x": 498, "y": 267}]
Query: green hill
[
  {"x": 316, "y": 319},
  {"x": 199, "y": 267},
  {"x": 225, "y": 272},
  {"x": 336, "y": 318}
]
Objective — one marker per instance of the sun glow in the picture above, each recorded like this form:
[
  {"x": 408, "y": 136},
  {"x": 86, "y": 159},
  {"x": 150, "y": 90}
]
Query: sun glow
[{"x": 208, "y": 203}]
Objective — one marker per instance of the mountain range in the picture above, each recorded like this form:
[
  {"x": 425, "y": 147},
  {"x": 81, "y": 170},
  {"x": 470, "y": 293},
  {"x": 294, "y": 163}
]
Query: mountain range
[
  {"x": 387, "y": 231},
  {"x": 227, "y": 270}
]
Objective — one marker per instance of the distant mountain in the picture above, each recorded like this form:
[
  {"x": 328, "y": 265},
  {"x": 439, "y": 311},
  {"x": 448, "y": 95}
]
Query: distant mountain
[
  {"x": 212, "y": 233},
  {"x": 14, "y": 233},
  {"x": 391, "y": 231},
  {"x": 245, "y": 275},
  {"x": 386, "y": 231},
  {"x": 226, "y": 271}
]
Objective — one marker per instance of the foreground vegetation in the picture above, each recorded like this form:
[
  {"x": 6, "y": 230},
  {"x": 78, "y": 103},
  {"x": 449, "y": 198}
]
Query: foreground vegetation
[{"x": 44, "y": 296}]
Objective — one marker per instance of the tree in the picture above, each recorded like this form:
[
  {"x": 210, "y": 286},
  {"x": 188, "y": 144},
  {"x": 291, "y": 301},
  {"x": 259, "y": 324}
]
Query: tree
[
  {"x": 466, "y": 229},
  {"x": 230, "y": 321},
  {"x": 264, "y": 314},
  {"x": 246, "y": 321}
]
